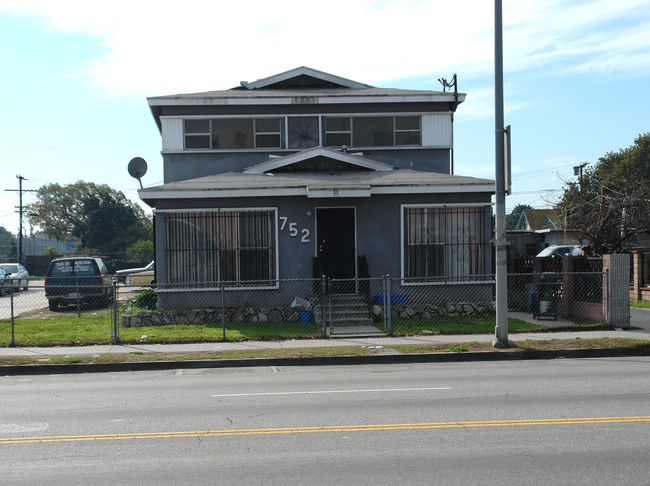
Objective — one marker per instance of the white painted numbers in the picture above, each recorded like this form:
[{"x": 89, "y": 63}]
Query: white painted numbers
[{"x": 294, "y": 230}]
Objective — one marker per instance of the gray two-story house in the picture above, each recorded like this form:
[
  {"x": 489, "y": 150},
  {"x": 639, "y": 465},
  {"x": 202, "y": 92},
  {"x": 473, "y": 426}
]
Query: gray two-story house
[{"x": 304, "y": 174}]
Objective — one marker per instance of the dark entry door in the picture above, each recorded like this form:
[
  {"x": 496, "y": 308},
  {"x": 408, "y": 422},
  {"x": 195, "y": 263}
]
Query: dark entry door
[{"x": 335, "y": 228}]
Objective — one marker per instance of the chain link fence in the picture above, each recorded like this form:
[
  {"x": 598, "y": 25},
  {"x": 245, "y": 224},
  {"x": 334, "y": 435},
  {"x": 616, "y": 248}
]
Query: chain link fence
[{"x": 293, "y": 309}]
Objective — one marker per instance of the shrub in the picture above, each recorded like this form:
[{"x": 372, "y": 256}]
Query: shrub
[
  {"x": 146, "y": 299},
  {"x": 517, "y": 301}
]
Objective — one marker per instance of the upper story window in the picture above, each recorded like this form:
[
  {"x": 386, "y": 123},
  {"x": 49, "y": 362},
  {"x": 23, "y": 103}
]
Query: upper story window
[
  {"x": 408, "y": 130},
  {"x": 300, "y": 132},
  {"x": 234, "y": 133},
  {"x": 372, "y": 131},
  {"x": 337, "y": 131},
  {"x": 197, "y": 134}
]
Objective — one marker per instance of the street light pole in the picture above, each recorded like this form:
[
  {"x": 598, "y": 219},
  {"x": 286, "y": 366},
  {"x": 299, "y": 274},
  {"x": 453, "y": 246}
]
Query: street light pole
[{"x": 501, "y": 329}]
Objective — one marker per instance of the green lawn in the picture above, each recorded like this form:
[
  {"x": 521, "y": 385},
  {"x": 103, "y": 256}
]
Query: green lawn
[
  {"x": 97, "y": 328},
  {"x": 70, "y": 330},
  {"x": 641, "y": 304}
]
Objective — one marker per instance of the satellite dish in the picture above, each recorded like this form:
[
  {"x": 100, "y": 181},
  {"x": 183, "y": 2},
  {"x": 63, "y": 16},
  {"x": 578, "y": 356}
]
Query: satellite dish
[{"x": 137, "y": 168}]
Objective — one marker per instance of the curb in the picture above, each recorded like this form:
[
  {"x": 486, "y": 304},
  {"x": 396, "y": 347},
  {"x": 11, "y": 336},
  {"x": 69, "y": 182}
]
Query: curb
[{"x": 44, "y": 369}]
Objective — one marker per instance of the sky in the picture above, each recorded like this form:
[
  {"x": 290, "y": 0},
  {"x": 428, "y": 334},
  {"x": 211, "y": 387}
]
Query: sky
[{"x": 75, "y": 76}]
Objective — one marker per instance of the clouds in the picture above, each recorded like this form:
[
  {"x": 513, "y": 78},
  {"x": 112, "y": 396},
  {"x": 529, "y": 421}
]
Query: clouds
[{"x": 166, "y": 47}]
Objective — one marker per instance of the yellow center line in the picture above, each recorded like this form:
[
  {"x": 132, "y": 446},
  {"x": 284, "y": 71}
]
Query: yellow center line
[{"x": 333, "y": 428}]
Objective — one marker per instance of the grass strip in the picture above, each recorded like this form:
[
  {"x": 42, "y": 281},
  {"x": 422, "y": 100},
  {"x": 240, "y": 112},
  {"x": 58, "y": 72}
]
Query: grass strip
[{"x": 638, "y": 345}]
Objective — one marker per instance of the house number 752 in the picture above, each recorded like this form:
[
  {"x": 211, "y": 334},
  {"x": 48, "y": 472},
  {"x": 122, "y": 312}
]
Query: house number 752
[{"x": 293, "y": 229}]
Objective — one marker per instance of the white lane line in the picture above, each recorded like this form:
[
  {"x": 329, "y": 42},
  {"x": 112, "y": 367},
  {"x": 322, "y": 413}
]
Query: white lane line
[{"x": 322, "y": 392}]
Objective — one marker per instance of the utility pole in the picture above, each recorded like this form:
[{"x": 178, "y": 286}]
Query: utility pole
[
  {"x": 577, "y": 170},
  {"x": 20, "y": 191},
  {"x": 501, "y": 329}
]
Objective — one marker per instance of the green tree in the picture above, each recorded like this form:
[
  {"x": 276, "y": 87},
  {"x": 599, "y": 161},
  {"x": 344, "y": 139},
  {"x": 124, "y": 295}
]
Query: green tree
[
  {"x": 7, "y": 240},
  {"x": 50, "y": 251},
  {"x": 141, "y": 251},
  {"x": 513, "y": 218},
  {"x": 611, "y": 207},
  {"x": 102, "y": 218},
  {"x": 12, "y": 254}
]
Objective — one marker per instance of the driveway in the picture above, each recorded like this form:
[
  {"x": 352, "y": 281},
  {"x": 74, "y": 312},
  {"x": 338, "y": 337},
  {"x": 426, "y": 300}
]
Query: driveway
[
  {"x": 640, "y": 318},
  {"x": 33, "y": 303},
  {"x": 24, "y": 301}
]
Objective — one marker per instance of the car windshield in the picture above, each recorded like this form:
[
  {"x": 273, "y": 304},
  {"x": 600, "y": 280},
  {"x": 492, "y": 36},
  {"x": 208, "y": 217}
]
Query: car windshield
[
  {"x": 548, "y": 251},
  {"x": 9, "y": 268},
  {"x": 555, "y": 250}
]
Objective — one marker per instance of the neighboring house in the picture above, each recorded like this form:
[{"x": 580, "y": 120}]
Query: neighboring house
[
  {"x": 537, "y": 229},
  {"x": 537, "y": 219},
  {"x": 304, "y": 174}
]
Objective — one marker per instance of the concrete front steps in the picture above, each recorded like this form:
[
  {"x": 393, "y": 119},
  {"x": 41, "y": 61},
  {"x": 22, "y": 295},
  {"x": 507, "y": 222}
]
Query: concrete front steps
[{"x": 348, "y": 314}]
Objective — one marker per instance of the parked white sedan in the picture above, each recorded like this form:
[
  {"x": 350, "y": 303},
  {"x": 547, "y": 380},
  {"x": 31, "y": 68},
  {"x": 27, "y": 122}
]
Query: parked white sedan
[
  {"x": 123, "y": 274},
  {"x": 17, "y": 274}
]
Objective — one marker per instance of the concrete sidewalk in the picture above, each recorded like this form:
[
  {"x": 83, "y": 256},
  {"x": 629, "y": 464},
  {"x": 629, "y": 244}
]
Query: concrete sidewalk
[{"x": 307, "y": 343}]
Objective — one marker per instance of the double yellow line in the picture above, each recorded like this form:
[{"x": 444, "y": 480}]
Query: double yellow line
[{"x": 310, "y": 430}]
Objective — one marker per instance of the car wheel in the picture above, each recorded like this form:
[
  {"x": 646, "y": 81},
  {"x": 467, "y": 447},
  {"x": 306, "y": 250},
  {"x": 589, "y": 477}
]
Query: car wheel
[
  {"x": 26, "y": 287},
  {"x": 53, "y": 305}
]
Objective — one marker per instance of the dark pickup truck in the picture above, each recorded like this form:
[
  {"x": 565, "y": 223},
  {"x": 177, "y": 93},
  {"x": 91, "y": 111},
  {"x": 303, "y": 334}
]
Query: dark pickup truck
[{"x": 78, "y": 281}]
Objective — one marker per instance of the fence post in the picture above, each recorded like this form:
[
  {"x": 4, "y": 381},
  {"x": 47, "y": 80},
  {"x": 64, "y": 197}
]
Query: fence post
[
  {"x": 76, "y": 282},
  {"x": 223, "y": 310},
  {"x": 323, "y": 291},
  {"x": 606, "y": 295},
  {"x": 389, "y": 312},
  {"x": 115, "y": 307},
  {"x": 637, "y": 275},
  {"x": 11, "y": 296},
  {"x": 383, "y": 303},
  {"x": 567, "y": 277}
]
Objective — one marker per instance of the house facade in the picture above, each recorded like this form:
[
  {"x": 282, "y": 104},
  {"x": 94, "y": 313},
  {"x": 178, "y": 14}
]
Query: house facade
[{"x": 305, "y": 174}]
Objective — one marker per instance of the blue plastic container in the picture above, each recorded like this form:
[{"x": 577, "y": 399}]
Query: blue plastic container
[{"x": 394, "y": 298}]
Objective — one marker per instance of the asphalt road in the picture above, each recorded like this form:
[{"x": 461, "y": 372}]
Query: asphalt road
[{"x": 533, "y": 422}]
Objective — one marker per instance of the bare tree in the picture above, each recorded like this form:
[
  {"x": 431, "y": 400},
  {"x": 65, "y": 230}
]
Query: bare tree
[{"x": 611, "y": 207}]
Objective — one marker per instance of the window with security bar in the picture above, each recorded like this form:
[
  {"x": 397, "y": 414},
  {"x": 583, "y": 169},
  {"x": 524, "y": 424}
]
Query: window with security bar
[
  {"x": 443, "y": 242},
  {"x": 234, "y": 246}
]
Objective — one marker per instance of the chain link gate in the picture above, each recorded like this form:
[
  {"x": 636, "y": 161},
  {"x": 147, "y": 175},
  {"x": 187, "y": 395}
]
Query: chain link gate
[{"x": 355, "y": 307}]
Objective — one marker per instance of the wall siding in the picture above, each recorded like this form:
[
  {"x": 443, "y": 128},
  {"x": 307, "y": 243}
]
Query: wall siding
[
  {"x": 436, "y": 130},
  {"x": 172, "y": 134}
]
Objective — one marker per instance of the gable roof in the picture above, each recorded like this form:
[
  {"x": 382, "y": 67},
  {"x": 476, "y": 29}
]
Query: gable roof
[
  {"x": 356, "y": 160},
  {"x": 301, "y": 86},
  {"x": 302, "y": 77},
  {"x": 536, "y": 219},
  {"x": 361, "y": 178},
  {"x": 341, "y": 184}
]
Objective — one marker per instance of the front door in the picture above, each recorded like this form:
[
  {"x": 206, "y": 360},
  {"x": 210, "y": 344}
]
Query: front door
[{"x": 335, "y": 237}]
